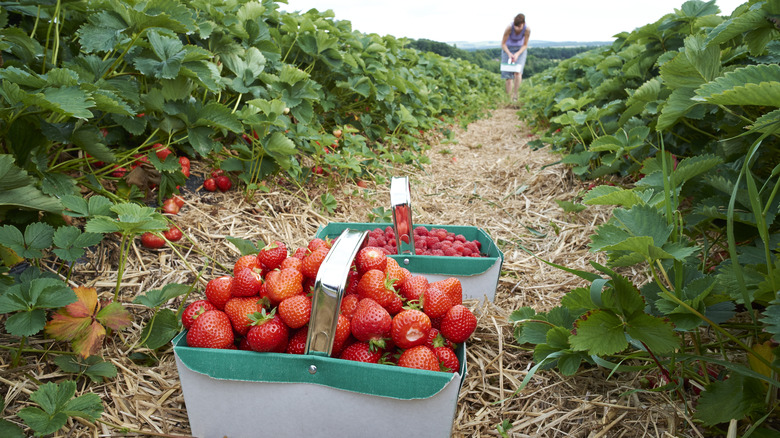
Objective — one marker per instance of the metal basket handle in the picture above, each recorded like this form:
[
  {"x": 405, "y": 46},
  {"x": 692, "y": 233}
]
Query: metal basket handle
[
  {"x": 329, "y": 287},
  {"x": 401, "y": 201}
]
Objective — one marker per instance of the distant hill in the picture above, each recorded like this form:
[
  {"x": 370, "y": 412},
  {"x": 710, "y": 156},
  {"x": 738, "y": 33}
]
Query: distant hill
[{"x": 469, "y": 45}]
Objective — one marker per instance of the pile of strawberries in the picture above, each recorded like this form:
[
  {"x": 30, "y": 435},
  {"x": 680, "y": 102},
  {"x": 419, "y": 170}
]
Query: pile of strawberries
[
  {"x": 387, "y": 315},
  {"x": 436, "y": 241}
]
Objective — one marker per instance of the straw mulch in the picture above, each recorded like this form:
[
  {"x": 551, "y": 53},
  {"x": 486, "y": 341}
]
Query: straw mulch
[{"x": 487, "y": 177}]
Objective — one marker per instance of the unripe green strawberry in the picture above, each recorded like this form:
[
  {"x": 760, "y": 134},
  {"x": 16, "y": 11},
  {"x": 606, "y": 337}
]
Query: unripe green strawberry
[{"x": 210, "y": 329}]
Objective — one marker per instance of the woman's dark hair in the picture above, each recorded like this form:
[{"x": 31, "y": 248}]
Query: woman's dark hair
[{"x": 519, "y": 19}]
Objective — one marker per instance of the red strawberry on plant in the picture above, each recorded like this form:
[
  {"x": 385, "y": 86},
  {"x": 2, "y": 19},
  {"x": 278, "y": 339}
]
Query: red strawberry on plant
[
  {"x": 370, "y": 257},
  {"x": 218, "y": 291},
  {"x": 435, "y": 302},
  {"x": 210, "y": 184},
  {"x": 311, "y": 263},
  {"x": 410, "y": 328},
  {"x": 268, "y": 333},
  {"x": 248, "y": 261},
  {"x": 246, "y": 283},
  {"x": 413, "y": 288},
  {"x": 271, "y": 256},
  {"x": 295, "y": 311},
  {"x": 170, "y": 207},
  {"x": 194, "y": 310},
  {"x": 239, "y": 309},
  {"x": 178, "y": 200},
  {"x": 447, "y": 358},
  {"x": 371, "y": 322},
  {"x": 362, "y": 352},
  {"x": 161, "y": 151},
  {"x": 150, "y": 240},
  {"x": 211, "y": 329},
  {"x": 173, "y": 234},
  {"x": 419, "y": 357},
  {"x": 287, "y": 283},
  {"x": 458, "y": 324},
  {"x": 223, "y": 183}
]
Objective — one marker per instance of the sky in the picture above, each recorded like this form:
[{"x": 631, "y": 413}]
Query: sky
[{"x": 486, "y": 20}]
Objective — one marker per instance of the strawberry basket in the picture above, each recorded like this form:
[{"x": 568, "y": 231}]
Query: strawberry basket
[
  {"x": 478, "y": 275},
  {"x": 238, "y": 393}
]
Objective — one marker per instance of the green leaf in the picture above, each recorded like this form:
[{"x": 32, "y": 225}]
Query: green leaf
[
  {"x": 157, "y": 297},
  {"x": 94, "y": 206},
  {"x": 26, "y": 323},
  {"x": 611, "y": 195},
  {"x": 89, "y": 139},
  {"x": 244, "y": 246},
  {"x": 771, "y": 318},
  {"x": 19, "y": 190},
  {"x": 102, "y": 31},
  {"x": 747, "y": 21},
  {"x": 10, "y": 430},
  {"x": 70, "y": 101},
  {"x": 218, "y": 116},
  {"x": 643, "y": 220},
  {"x": 41, "y": 422},
  {"x": 281, "y": 148},
  {"x": 169, "y": 54},
  {"x": 751, "y": 85},
  {"x": 734, "y": 398},
  {"x": 71, "y": 242},
  {"x": 114, "y": 316},
  {"x": 599, "y": 332},
  {"x": 677, "y": 106},
  {"x": 657, "y": 334},
  {"x": 93, "y": 367},
  {"x": 161, "y": 329}
]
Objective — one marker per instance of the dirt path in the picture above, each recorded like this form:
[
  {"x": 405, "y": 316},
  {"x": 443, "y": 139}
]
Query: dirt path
[{"x": 487, "y": 177}]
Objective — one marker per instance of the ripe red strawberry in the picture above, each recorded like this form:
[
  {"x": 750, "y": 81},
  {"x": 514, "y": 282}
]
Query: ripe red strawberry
[
  {"x": 210, "y": 184},
  {"x": 170, "y": 206},
  {"x": 268, "y": 334},
  {"x": 395, "y": 273},
  {"x": 448, "y": 360},
  {"x": 271, "y": 256},
  {"x": 297, "y": 344},
  {"x": 295, "y": 311},
  {"x": 223, "y": 183},
  {"x": 353, "y": 278},
  {"x": 211, "y": 329},
  {"x": 194, "y": 310},
  {"x": 239, "y": 309},
  {"x": 287, "y": 283},
  {"x": 410, "y": 328},
  {"x": 246, "y": 283},
  {"x": 248, "y": 261},
  {"x": 150, "y": 240},
  {"x": 419, "y": 357},
  {"x": 161, "y": 151},
  {"x": 343, "y": 333},
  {"x": 349, "y": 304},
  {"x": 173, "y": 234},
  {"x": 317, "y": 243},
  {"x": 218, "y": 291},
  {"x": 178, "y": 200},
  {"x": 371, "y": 322},
  {"x": 373, "y": 284},
  {"x": 311, "y": 263},
  {"x": 458, "y": 324},
  {"x": 452, "y": 287},
  {"x": 370, "y": 257},
  {"x": 413, "y": 288},
  {"x": 435, "y": 339},
  {"x": 301, "y": 253},
  {"x": 291, "y": 263},
  {"x": 362, "y": 352},
  {"x": 435, "y": 302},
  {"x": 395, "y": 304}
]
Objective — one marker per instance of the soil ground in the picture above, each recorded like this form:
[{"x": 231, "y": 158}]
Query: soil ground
[{"x": 485, "y": 176}]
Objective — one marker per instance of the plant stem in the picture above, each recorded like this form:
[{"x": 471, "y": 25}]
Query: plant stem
[
  {"x": 123, "y": 247},
  {"x": 18, "y": 355}
]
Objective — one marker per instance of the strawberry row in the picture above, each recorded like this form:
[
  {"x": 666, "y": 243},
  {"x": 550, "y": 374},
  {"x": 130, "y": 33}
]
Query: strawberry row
[{"x": 387, "y": 315}]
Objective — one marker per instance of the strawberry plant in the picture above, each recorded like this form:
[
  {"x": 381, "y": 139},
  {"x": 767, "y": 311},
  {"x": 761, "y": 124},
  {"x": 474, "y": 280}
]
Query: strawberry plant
[{"x": 690, "y": 124}]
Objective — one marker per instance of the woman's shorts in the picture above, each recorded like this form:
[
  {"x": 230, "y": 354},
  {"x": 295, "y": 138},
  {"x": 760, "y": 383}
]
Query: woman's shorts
[{"x": 505, "y": 59}]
